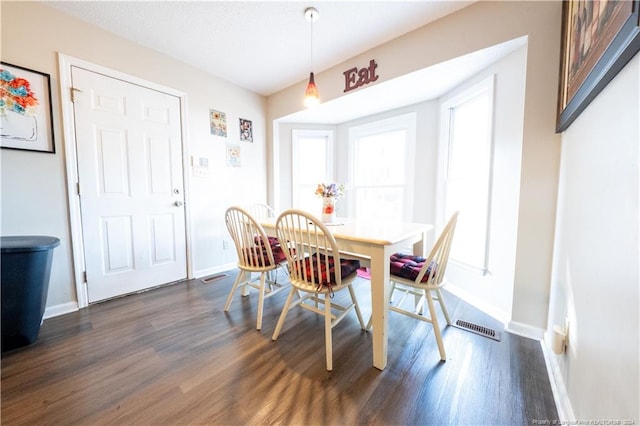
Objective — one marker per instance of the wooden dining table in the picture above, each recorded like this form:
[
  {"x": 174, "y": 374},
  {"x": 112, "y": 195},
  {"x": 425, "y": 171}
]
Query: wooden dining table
[{"x": 374, "y": 241}]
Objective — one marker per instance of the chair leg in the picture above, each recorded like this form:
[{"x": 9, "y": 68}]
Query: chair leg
[
  {"x": 327, "y": 331},
  {"x": 283, "y": 315},
  {"x": 393, "y": 288},
  {"x": 261, "y": 300},
  {"x": 244, "y": 291},
  {"x": 239, "y": 278},
  {"x": 436, "y": 327},
  {"x": 443, "y": 306},
  {"x": 418, "y": 302},
  {"x": 355, "y": 303}
]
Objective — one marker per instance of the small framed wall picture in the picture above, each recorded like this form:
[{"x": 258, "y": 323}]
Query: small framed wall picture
[
  {"x": 246, "y": 130},
  {"x": 218, "y": 123},
  {"x": 26, "y": 121},
  {"x": 233, "y": 155}
]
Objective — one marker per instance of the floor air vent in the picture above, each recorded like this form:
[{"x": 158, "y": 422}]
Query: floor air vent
[
  {"x": 212, "y": 278},
  {"x": 478, "y": 329}
]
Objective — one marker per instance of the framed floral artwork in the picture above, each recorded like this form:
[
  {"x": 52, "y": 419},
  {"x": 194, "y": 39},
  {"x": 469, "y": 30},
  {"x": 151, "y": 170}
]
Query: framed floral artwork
[
  {"x": 218, "y": 123},
  {"x": 598, "y": 39},
  {"x": 25, "y": 109}
]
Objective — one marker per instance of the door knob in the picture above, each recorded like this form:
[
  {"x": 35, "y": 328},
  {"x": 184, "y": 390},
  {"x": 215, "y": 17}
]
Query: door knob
[{"x": 179, "y": 203}]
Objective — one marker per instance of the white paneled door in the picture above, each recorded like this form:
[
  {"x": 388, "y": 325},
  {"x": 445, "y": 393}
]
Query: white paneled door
[{"x": 129, "y": 148}]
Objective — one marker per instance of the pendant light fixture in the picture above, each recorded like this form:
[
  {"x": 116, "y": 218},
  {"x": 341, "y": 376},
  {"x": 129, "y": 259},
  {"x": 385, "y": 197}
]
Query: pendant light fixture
[{"x": 311, "y": 94}]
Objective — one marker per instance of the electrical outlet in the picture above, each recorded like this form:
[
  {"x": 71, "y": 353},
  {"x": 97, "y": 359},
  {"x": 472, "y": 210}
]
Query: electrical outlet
[
  {"x": 200, "y": 172},
  {"x": 225, "y": 245}
]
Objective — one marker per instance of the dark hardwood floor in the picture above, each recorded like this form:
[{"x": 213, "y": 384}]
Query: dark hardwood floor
[{"x": 171, "y": 356}]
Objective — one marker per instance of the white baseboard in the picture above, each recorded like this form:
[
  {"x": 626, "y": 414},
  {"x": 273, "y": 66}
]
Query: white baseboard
[
  {"x": 525, "y": 330},
  {"x": 558, "y": 387},
  {"x": 216, "y": 270},
  {"x": 64, "y": 308}
]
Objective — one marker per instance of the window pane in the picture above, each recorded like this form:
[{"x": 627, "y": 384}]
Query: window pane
[
  {"x": 310, "y": 156},
  {"x": 380, "y": 159},
  {"x": 468, "y": 173},
  {"x": 380, "y": 176},
  {"x": 379, "y": 203},
  {"x": 312, "y": 160},
  {"x": 307, "y": 200}
]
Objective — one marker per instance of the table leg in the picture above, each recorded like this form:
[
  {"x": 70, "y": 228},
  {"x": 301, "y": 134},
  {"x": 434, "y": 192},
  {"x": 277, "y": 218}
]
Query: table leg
[
  {"x": 420, "y": 246},
  {"x": 380, "y": 289}
]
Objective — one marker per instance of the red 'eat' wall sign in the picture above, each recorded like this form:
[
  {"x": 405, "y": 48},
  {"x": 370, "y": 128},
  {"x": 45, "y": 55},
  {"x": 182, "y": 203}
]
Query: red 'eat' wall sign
[{"x": 354, "y": 77}]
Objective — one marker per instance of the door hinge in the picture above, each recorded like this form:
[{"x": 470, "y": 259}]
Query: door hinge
[
  {"x": 84, "y": 276},
  {"x": 78, "y": 187},
  {"x": 73, "y": 93}
]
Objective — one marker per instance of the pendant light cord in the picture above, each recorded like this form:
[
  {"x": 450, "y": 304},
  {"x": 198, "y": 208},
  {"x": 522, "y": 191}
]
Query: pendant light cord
[{"x": 311, "y": 55}]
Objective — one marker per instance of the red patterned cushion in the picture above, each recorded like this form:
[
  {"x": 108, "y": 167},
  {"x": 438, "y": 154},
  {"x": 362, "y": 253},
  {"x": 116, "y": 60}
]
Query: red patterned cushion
[
  {"x": 273, "y": 241},
  {"x": 328, "y": 278},
  {"x": 409, "y": 266},
  {"x": 278, "y": 255}
]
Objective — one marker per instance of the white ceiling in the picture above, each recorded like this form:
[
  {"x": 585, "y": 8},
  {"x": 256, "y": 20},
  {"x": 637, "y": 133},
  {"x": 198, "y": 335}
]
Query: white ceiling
[
  {"x": 259, "y": 45},
  {"x": 264, "y": 46}
]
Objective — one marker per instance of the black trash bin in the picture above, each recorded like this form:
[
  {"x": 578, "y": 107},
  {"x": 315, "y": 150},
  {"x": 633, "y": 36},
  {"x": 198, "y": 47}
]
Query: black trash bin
[{"x": 25, "y": 266}]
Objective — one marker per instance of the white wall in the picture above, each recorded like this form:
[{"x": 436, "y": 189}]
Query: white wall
[
  {"x": 33, "y": 205},
  {"x": 595, "y": 281}
]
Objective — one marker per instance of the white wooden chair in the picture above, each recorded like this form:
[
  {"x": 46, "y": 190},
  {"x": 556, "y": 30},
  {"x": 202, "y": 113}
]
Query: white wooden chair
[
  {"x": 260, "y": 210},
  {"x": 423, "y": 278},
  {"x": 315, "y": 269},
  {"x": 256, "y": 253}
]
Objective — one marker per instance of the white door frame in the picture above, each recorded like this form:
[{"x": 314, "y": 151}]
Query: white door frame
[{"x": 65, "y": 63}]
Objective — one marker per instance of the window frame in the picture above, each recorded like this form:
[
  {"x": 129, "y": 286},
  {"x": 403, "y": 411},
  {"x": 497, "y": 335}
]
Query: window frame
[
  {"x": 296, "y": 136},
  {"x": 485, "y": 85},
  {"x": 406, "y": 122}
]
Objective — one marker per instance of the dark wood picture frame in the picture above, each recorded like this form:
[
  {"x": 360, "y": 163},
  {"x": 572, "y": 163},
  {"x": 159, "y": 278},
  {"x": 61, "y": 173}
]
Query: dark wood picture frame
[
  {"x": 598, "y": 40},
  {"x": 27, "y": 112}
]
